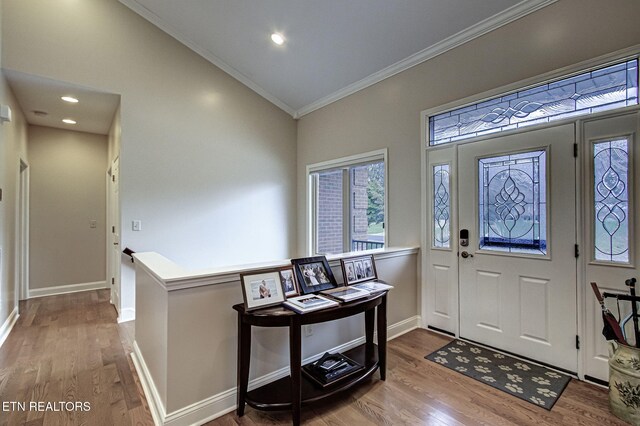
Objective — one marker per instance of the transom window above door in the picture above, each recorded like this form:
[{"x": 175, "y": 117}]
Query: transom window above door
[{"x": 605, "y": 88}]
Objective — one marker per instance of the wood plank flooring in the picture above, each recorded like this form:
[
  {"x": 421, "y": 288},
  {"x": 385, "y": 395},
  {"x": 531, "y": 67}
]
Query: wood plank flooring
[
  {"x": 419, "y": 392},
  {"x": 70, "y": 348}
]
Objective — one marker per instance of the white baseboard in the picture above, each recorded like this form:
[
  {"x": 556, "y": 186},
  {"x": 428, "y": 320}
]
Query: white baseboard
[
  {"x": 127, "y": 314},
  {"x": 225, "y": 402},
  {"x": 8, "y": 325},
  {"x": 403, "y": 327},
  {"x": 63, "y": 289},
  {"x": 150, "y": 391}
]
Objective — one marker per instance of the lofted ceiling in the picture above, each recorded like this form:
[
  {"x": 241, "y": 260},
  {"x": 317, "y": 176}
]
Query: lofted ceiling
[
  {"x": 332, "y": 47},
  {"x": 37, "y": 95}
]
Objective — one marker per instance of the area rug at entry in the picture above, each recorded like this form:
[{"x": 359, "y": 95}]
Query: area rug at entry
[{"x": 537, "y": 385}]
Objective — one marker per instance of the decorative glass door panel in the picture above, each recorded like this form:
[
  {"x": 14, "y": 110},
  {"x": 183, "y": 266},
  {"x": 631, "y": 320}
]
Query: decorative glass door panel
[
  {"x": 611, "y": 200},
  {"x": 512, "y": 213},
  {"x": 441, "y": 206},
  {"x": 513, "y": 294}
]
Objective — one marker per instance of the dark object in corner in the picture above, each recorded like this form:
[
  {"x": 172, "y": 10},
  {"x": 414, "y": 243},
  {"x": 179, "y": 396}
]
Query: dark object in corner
[{"x": 129, "y": 253}]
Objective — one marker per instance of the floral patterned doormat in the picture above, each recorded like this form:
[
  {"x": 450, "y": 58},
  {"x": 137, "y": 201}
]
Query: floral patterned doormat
[{"x": 537, "y": 385}]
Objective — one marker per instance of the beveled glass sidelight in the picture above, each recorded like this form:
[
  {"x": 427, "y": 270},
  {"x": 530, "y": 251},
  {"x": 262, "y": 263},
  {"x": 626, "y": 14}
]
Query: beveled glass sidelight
[
  {"x": 611, "y": 200},
  {"x": 441, "y": 206}
]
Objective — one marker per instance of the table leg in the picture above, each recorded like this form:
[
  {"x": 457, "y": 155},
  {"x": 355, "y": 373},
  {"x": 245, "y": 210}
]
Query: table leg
[
  {"x": 244, "y": 356},
  {"x": 295, "y": 356},
  {"x": 368, "y": 332},
  {"x": 382, "y": 337}
]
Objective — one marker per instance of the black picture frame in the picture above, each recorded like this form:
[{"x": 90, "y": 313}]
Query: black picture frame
[
  {"x": 313, "y": 274},
  {"x": 358, "y": 269}
]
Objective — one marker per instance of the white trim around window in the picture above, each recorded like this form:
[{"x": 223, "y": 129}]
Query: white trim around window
[{"x": 336, "y": 164}]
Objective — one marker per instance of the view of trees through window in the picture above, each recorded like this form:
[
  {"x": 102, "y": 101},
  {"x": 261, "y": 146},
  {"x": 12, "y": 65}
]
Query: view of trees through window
[{"x": 365, "y": 228}]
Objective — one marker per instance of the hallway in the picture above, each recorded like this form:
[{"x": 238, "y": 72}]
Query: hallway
[{"x": 70, "y": 348}]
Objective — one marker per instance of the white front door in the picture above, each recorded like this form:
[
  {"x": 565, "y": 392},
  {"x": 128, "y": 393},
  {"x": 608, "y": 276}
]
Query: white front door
[
  {"x": 517, "y": 276},
  {"x": 611, "y": 201}
]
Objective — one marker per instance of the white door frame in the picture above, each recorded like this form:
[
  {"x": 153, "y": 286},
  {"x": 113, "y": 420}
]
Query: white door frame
[
  {"x": 22, "y": 233},
  {"x": 583, "y": 295},
  {"x": 113, "y": 261}
]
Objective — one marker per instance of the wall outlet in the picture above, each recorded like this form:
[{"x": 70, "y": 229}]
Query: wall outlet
[
  {"x": 136, "y": 225},
  {"x": 307, "y": 330}
]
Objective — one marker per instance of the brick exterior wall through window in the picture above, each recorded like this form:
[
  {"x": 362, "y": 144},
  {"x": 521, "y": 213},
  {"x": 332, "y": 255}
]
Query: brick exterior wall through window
[{"x": 329, "y": 232}]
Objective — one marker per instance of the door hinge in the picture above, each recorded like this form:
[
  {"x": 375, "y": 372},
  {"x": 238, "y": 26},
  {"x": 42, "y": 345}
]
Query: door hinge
[
  {"x": 577, "y": 342},
  {"x": 575, "y": 150},
  {"x": 113, "y": 281},
  {"x": 113, "y": 178},
  {"x": 576, "y": 250},
  {"x": 113, "y": 229}
]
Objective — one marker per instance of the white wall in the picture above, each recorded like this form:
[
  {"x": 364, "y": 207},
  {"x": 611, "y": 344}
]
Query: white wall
[
  {"x": 202, "y": 155},
  {"x": 387, "y": 114},
  {"x": 67, "y": 192},
  {"x": 13, "y": 147}
]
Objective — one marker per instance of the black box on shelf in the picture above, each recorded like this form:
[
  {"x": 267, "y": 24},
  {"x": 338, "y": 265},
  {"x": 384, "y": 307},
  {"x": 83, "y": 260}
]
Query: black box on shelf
[{"x": 331, "y": 368}]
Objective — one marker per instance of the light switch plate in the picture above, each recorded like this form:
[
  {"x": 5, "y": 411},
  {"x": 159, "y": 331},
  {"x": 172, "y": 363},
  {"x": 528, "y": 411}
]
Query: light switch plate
[{"x": 136, "y": 225}]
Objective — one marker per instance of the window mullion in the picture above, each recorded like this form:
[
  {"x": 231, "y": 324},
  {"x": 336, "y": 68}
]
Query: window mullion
[{"x": 346, "y": 210}]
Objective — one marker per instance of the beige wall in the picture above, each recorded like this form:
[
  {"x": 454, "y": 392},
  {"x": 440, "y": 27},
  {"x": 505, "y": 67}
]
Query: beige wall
[
  {"x": 190, "y": 364},
  {"x": 13, "y": 147},
  {"x": 202, "y": 155},
  {"x": 387, "y": 114},
  {"x": 68, "y": 190}
]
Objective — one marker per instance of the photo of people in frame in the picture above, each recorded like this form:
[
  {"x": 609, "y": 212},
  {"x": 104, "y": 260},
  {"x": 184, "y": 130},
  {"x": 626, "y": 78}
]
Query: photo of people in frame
[
  {"x": 357, "y": 269},
  {"x": 263, "y": 289},
  {"x": 288, "y": 282},
  {"x": 368, "y": 269},
  {"x": 313, "y": 274},
  {"x": 350, "y": 272}
]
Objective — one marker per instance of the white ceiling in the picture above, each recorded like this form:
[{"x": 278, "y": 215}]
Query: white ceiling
[
  {"x": 94, "y": 112},
  {"x": 333, "y": 47}
]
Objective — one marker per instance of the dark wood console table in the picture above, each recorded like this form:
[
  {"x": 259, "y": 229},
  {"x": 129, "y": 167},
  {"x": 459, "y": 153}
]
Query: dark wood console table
[{"x": 293, "y": 391}]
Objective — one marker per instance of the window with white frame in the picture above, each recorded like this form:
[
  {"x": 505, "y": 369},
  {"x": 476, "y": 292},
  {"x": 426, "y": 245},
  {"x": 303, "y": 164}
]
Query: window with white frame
[{"x": 348, "y": 204}]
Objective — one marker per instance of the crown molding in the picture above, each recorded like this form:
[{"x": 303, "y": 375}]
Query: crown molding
[
  {"x": 208, "y": 55},
  {"x": 481, "y": 28},
  {"x": 496, "y": 21}
]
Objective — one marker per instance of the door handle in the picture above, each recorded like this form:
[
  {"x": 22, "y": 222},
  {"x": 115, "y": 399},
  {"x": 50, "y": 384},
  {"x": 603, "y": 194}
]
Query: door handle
[
  {"x": 464, "y": 254},
  {"x": 116, "y": 244}
]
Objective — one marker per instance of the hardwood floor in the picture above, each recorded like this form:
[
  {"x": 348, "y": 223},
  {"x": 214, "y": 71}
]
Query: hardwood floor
[
  {"x": 70, "y": 348},
  {"x": 419, "y": 392}
]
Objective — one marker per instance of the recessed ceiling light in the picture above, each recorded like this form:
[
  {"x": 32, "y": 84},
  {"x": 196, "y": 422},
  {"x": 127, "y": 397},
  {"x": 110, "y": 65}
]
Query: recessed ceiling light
[
  {"x": 277, "y": 39},
  {"x": 69, "y": 99},
  {"x": 69, "y": 121}
]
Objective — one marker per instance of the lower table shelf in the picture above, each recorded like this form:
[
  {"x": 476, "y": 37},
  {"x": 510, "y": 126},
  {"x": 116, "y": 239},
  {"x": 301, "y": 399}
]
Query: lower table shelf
[{"x": 276, "y": 395}]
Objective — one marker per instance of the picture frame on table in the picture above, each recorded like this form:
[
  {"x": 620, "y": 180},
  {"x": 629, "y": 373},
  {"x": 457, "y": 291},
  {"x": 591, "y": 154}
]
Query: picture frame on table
[
  {"x": 288, "y": 280},
  {"x": 358, "y": 269},
  {"x": 313, "y": 274},
  {"x": 262, "y": 288}
]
